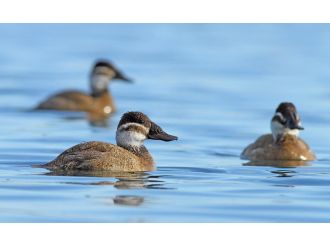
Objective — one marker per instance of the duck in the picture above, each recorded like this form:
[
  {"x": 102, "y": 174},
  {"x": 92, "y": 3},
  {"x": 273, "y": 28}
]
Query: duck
[
  {"x": 98, "y": 102},
  {"x": 284, "y": 143},
  {"x": 129, "y": 155}
]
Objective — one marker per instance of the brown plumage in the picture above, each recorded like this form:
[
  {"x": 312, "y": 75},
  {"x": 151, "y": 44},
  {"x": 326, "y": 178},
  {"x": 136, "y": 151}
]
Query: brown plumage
[
  {"x": 79, "y": 101},
  {"x": 289, "y": 148},
  {"x": 128, "y": 155},
  {"x": 101, "y": 156},
  {"x": 99, "y": 101}
]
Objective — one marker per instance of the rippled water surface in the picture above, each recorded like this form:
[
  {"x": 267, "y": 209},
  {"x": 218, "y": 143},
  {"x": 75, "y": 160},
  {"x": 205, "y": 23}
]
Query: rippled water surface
[{"x": 214, "y": 86}]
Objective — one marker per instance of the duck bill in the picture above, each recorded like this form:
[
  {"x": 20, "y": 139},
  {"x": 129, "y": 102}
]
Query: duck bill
[
  {"x": 296, "y": 126},
  {"x": 120, "y": 76},
  {"x": 156, "y": 133},
  {"x": 294, "y": 122}
]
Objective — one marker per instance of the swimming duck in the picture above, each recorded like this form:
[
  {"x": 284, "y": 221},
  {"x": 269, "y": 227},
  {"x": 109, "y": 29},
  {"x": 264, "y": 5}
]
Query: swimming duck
[
  {"x": 128, "y": 155},
  {"x": 283, "y": 143},
  {"x": 99, "y": 101}
]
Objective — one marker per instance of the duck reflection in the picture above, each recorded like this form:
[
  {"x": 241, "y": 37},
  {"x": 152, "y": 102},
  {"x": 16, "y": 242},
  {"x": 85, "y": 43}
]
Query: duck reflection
[
  {"x": 125, "y": 180},
  {"x": 128, "y": 200},
  {"x": 284, "y": 176},
  {"x": 284, "y": 173},
  {"x": 94, "y": 119},
  {"x": 97, "y": 120},
  {"x": 278, "y": 163}
]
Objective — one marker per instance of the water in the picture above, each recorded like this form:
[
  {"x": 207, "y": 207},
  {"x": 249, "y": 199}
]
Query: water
[{"x": 214, "y": 86}]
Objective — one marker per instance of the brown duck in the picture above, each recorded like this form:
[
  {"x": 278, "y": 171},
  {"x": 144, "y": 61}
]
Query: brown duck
[
  {"x": 283, "y": 143},
  {"x": 98, "y": 102},
  {"x": 128, "y": 155}
]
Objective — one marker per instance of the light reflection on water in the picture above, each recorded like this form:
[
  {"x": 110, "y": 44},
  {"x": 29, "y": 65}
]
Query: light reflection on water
[{"x": 214, "y": 86}]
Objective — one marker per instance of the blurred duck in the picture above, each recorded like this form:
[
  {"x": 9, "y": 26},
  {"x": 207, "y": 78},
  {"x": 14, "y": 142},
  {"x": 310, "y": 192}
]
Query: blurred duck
[
  {"x": 99, "y": 101},
  {"x": 283, "y": 143},
  {"x": 128, "y": 155}
]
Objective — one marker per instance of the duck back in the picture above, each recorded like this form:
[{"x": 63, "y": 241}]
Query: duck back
[
  {"x": 100, "y": 156},
  {"x": 289, "y": 148},
  {"x": 79, "y": 101}
]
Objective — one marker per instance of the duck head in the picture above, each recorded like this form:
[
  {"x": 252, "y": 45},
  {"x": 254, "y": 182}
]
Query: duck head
[
  {"x": 135, "y": 127},
  {"x": 285, "y": 121},
  {"x": 102, "y": 73}
]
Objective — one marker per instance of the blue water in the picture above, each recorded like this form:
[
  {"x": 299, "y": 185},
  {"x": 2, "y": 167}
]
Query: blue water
[{"x": 214, "y": 86}]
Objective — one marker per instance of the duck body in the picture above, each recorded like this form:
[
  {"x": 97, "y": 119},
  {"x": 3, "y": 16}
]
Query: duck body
[
  {"x": 99, "y": 101},
  {"x": 283, "y": 144},
  {"x": 75, "y": 100},
  {"x": 103, "y": 156},
  {"x": 289, "y": 148},
  {"x": 129, "y": 155}
]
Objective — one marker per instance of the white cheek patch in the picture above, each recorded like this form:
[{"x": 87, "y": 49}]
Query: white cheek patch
[
  {"x": 130, "y": 138},
  {"x": 99, "y": 82},
  {"x": 277, "y": 129}
]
